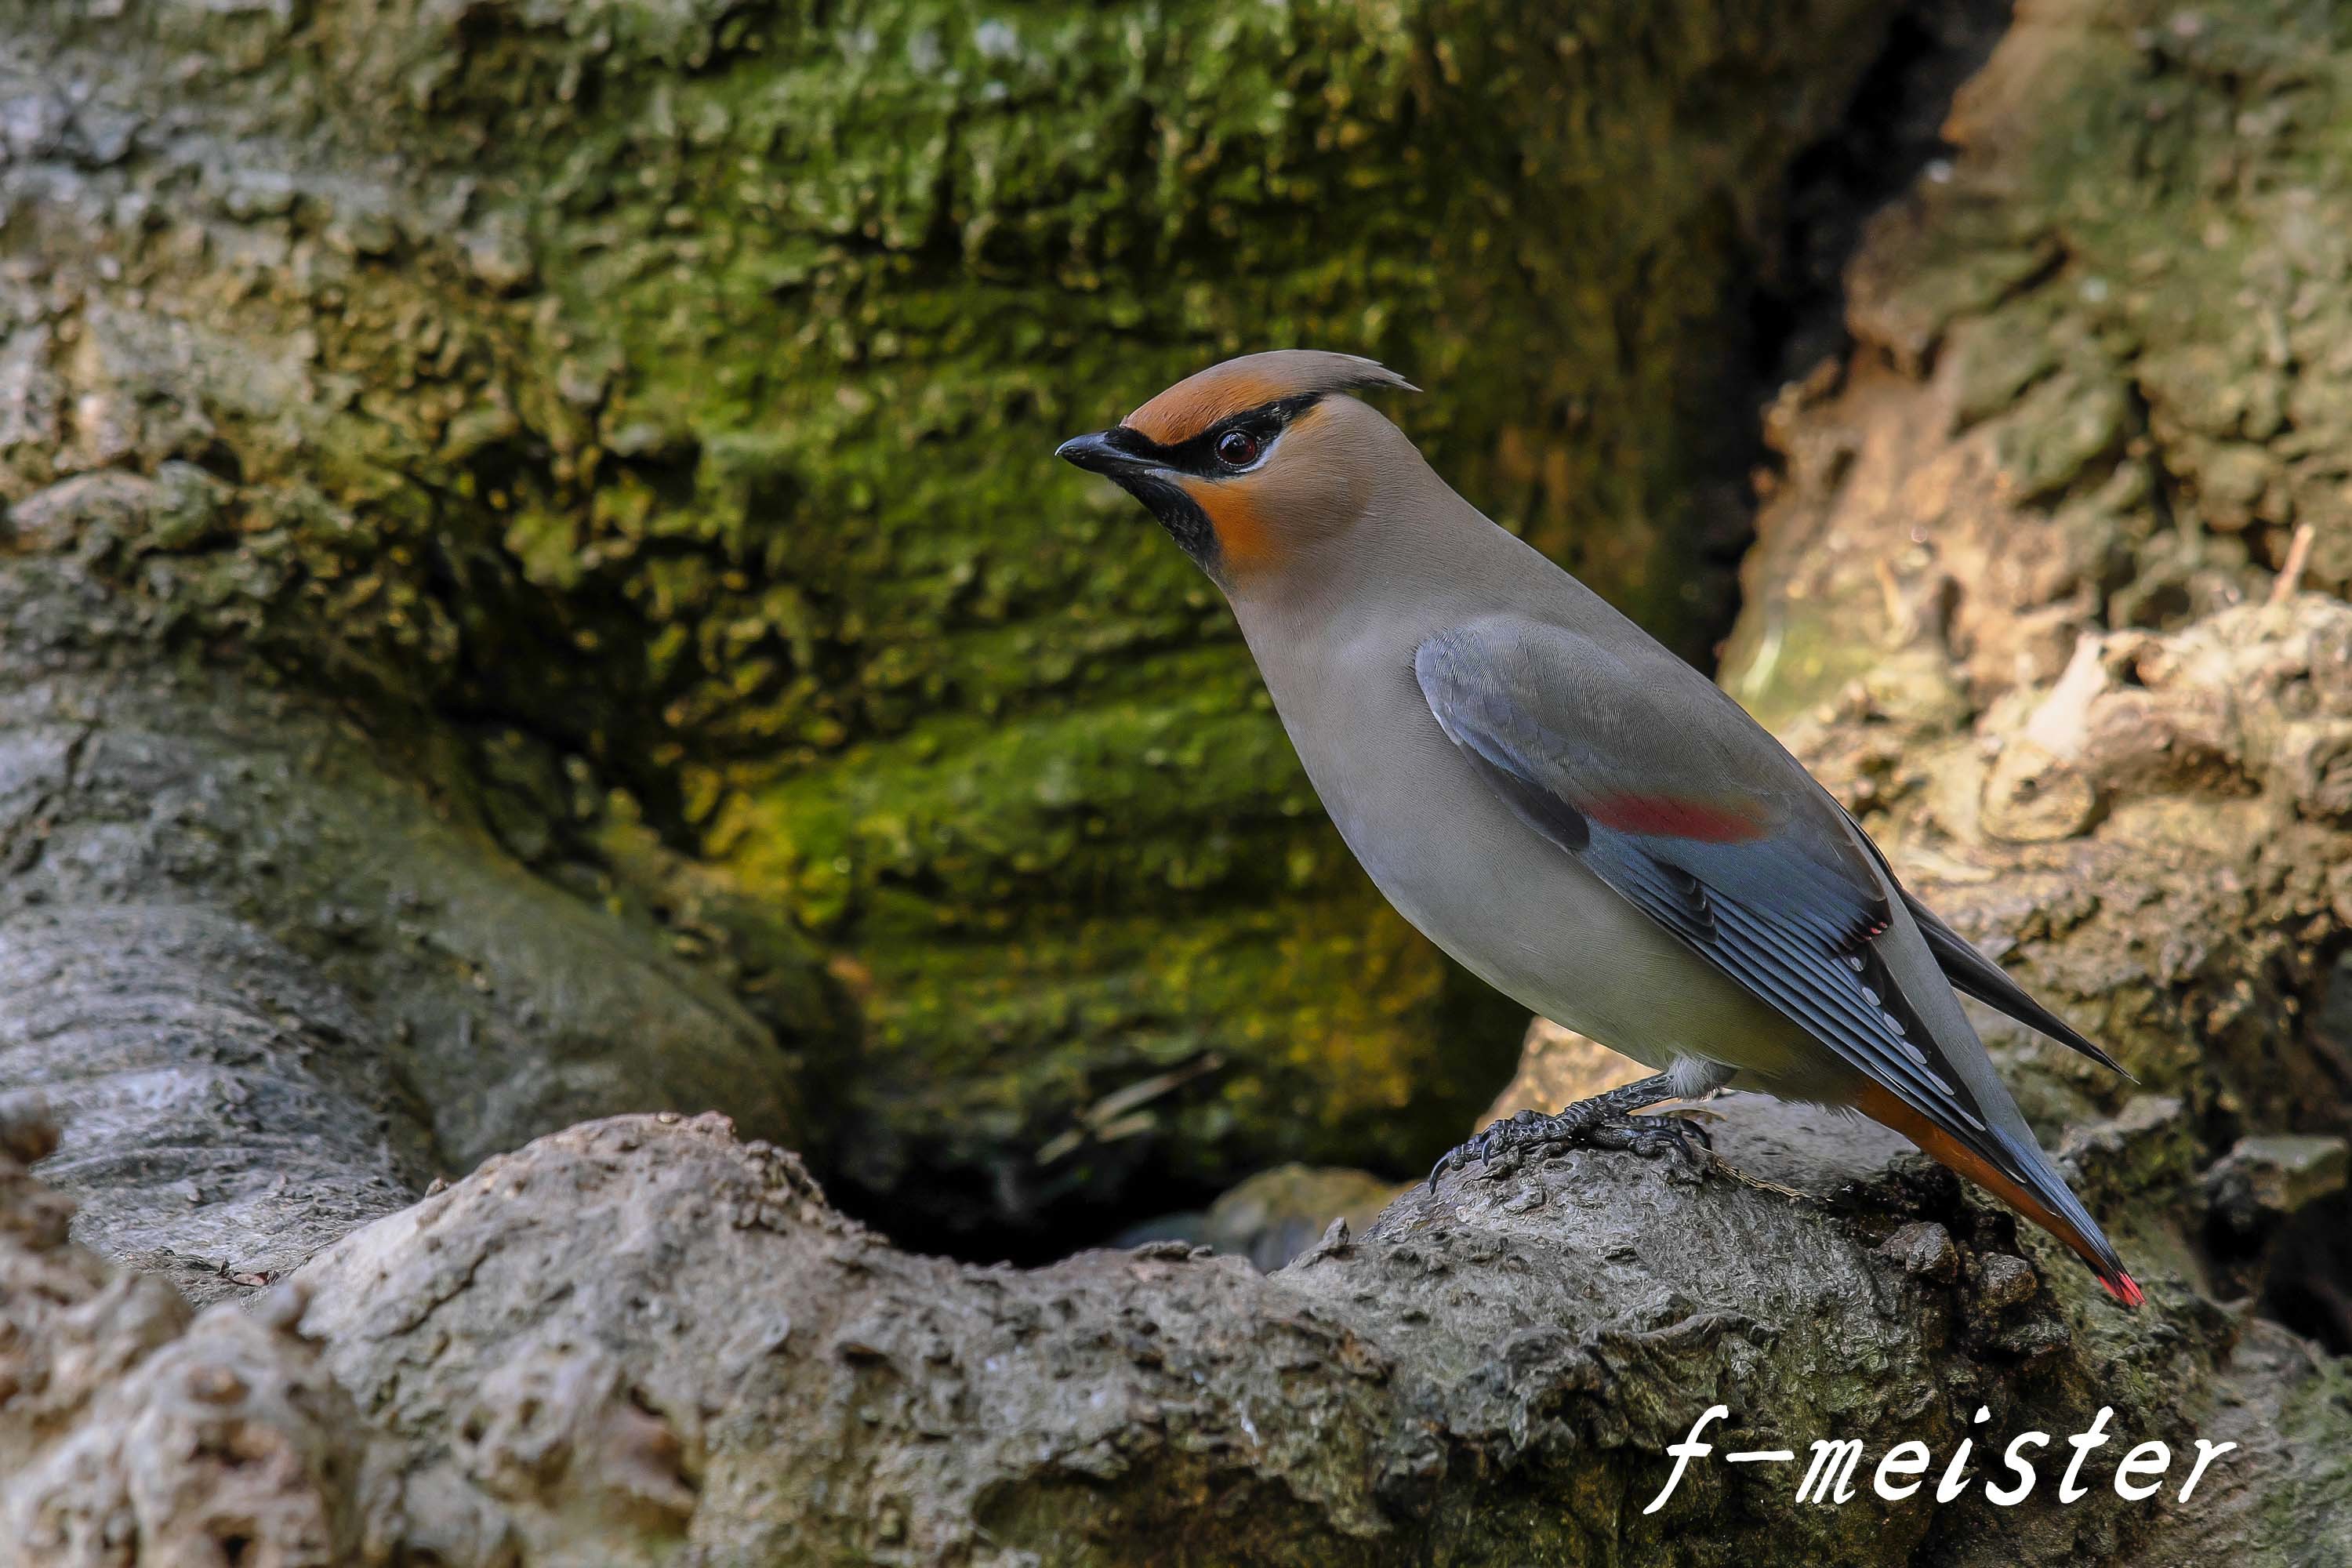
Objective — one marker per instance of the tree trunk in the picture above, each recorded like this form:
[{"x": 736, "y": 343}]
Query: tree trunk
[
  {"x": 646, "y": 418},
  {"x": 534, "y": 590},
  {"x": 271, "y": 990}
]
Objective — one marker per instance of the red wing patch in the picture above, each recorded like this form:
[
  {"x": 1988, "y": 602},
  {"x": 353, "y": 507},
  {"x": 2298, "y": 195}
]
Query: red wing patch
[{"x": 1675, "y": 816}]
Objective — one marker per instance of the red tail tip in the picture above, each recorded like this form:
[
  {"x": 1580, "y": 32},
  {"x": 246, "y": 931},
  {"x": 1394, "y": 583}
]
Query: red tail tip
[{"x": 2123, "y": 1288}]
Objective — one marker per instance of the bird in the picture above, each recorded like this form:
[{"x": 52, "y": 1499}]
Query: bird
[{"x": 1575, "y": 814}]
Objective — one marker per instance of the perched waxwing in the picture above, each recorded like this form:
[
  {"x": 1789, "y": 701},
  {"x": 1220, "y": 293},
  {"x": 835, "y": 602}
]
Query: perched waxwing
[{"x": 1575, "y": 814}]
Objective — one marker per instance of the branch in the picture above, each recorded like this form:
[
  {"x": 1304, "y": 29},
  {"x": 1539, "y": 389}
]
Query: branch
[{"x": 642, "y": 1338}]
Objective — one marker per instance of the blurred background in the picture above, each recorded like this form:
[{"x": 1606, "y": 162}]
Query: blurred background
[{"x": 643, "y": 411}]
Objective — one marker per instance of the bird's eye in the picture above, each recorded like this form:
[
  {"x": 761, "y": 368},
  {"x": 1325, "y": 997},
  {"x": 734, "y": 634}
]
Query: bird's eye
[{"x": 1237, "y": 448}]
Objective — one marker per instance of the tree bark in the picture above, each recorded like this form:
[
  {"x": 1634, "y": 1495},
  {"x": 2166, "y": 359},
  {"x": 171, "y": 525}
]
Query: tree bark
[
  {"x": 1491, "y": 1374},
  {"x": 271, "y": 990},
  {"x": 417, "y": 710}
]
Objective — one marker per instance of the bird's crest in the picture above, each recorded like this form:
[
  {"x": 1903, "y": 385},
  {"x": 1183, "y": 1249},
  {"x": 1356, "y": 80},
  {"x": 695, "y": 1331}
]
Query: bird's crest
[{"x": 1252, "y": 381}]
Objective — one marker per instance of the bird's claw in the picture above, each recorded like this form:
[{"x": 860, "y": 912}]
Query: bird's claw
[
  {"x": 1486, "y": 1145},
  {"x": 1650, "y": 1136},
  {"x": 1647, "y": 1136}
]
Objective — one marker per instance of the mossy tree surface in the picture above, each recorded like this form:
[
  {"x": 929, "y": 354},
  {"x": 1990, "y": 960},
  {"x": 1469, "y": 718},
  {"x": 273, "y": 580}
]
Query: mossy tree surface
[
  {"x": 663, "y": 396},
  {"x": 2095, "y": 396},
  {"x": 311, "y": 749}
]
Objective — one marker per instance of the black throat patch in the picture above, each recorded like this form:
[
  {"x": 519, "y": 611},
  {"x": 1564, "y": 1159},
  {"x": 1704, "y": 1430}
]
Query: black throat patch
[{"x": 1178, "y": 514}]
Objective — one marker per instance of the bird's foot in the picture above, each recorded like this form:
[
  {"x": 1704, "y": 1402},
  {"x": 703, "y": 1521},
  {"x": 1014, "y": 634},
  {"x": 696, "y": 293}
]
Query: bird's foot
[{"x": 1588, "y": 1124}]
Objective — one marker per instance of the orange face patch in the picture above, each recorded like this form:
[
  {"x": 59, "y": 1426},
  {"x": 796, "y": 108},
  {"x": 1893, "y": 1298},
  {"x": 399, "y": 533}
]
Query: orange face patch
[
  {"x": 1246, "y": 539},
  {"x": 1195, "y": 403}
]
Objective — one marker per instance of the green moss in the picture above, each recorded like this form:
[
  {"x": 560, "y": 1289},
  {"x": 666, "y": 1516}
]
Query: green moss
[
  {"x": 2320, "y": 1487},
  {"x": 2059, "y": 430},
  {"x": 704, "y": 431},
  {"x": 1004, "y": 751}
]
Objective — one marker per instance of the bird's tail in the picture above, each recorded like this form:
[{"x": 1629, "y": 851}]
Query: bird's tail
[{"x": 2025, "y": 1182}]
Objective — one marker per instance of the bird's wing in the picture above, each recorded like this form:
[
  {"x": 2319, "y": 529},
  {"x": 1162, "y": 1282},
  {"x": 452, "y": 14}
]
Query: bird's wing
[
  {"x": 1670, "y": 794},
  {"x": 1974, "y": 974},
  {"x": 1978, "y": 976},
  {"x": 1682, "y": 805}
]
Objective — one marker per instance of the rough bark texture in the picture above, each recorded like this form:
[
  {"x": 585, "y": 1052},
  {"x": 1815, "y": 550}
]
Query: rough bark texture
[
  {"x": 746, "y": 1377},
  {"x": 434, "y": 655},
  {"x": 2013, "y": 597},
  {"x": 270, "y": 990}
]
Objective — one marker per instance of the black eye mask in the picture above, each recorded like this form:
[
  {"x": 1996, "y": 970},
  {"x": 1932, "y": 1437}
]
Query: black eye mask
[
  {"x": 1149, "y": 470},
  {"x": 1197, "y": 455}
]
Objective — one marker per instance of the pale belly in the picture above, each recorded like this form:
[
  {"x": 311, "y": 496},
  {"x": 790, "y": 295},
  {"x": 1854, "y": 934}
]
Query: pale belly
[{"x": 1530, "y": 920}]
